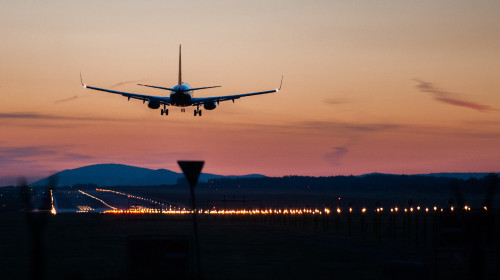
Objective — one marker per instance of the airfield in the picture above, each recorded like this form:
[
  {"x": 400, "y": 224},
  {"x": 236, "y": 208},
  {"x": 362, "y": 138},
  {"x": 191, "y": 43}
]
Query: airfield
[{"x": 147, "y": 233}]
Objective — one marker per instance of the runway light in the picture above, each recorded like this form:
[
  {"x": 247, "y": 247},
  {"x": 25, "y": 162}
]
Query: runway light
[
  {"x": 363, "y": 210},
  {"x": 485, "y": 208},
  {"x": 338, "y": 210}
]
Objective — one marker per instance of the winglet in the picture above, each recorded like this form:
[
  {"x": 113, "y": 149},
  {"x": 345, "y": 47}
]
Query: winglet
[
  {"x": 81, "y": 80},
  {"x": 281, "y": 83}
]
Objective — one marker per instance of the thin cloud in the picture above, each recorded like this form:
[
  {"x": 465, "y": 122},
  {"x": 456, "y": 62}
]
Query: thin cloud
[
  {"x": 37, "y": 116},
  {"x": 16, "y": 154},
  {"x": 323, "y": 127},
  {"x": 127, "y": 82},
  {"x": 23, "y": 115},
  {"x": 335, "y": 101},
  {"x": 466, "y": 104},
  {"x": 75, "y": 156},
  {"x": 34, "y": 160},
  {"x": 447, "y": 97},
  {"x": 319, "y": 125},
  {"x": 334, "y": 157},
  {"x": 66, "y": 99},
  {"x": 23, "y": 152}
]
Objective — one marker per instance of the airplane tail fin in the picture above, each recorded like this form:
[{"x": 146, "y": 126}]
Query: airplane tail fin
[{"x": 180, "y": 68}]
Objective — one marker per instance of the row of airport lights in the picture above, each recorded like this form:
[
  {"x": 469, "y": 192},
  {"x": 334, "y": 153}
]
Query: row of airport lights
[
  {"x": 224, "y": 212},
  {"x": 178, "y": 210},
  {"x": 174, "y": 210},
  {"x": 325, "y": 211},
  {"x": 171, "y": 207},
  {"x": 84, "y": 209},
  {"x": 96, "y": 198}
]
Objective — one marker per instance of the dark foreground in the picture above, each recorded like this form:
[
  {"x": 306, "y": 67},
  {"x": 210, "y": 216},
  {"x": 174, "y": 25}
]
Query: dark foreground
[
  {"x": 449, "y": 231},
  {"x": 370, "y": 246}
]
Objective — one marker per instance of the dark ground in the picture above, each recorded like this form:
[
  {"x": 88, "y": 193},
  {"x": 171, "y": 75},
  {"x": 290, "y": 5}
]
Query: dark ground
[
  {"x": 442, "y": 245},
  {"x": 96, "y": 246}
]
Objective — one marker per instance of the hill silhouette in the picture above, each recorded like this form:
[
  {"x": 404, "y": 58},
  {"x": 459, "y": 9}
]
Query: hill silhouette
[{"x": 124, "y": 175}]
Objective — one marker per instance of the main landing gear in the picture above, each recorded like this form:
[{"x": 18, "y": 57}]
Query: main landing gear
[
  {"x": 197, "y": 112},
  {"x": 164, "y": 111}
]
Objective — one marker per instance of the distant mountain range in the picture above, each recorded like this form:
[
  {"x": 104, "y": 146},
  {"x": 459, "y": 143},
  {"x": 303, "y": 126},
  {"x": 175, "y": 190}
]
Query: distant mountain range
[
  {"x": 463, "y": 176},
  {"x": 124, "y": 175}
]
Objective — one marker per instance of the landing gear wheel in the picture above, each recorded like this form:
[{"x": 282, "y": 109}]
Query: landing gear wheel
[
  {"x": 195, "y": 112},
  {"x": 166, "y": 112},
  {"x": 199, "y": 113},
  {"x": 162, "y": 112}
]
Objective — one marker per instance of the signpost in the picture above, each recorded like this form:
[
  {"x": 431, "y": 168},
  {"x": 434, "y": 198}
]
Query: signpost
[{"x": 192, "y": 170}]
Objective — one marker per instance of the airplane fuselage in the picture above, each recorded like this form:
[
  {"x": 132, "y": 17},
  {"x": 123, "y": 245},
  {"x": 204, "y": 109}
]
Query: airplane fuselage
[{"x": 181, "y": 96}]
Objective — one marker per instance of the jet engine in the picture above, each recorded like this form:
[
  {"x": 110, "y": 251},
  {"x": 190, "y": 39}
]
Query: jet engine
[
  {"x": 153, "y": 104},
  {"x": 209, "y": 106}
]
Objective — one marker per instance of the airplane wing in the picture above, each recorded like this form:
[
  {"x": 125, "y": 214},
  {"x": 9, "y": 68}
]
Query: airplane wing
[
  {"x": 162, "y": 100},
  {"x": 203, "y": 100}
]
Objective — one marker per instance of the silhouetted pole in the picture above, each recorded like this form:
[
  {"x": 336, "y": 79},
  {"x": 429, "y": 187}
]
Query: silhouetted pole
[
  {"x": 435, "y": 232},
  {"x": 425, "y": 227},
  {"x": 349, "y": 219},
  {"x": 37, "y": 222},
  {"x": 417, "y": 215},
  {"x": 337, "y": 221},
  {"x": 376, "y": 222},
  {"x": 409, "y": 220},
  {"x": 392, "y": 223},
  {"x": 362, "y": 220},
  {"x": 192, "y": 170}
]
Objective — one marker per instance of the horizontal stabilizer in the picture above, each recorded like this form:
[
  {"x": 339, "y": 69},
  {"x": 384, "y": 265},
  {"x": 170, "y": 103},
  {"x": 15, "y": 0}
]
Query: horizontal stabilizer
[
  {"x": 180, "y": 90},
  {"x": 201, "y": 88},
  {"x": 156, "y": 87}
]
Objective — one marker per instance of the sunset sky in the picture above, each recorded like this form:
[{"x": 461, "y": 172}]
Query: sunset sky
[{"x": 390, "y": 86}]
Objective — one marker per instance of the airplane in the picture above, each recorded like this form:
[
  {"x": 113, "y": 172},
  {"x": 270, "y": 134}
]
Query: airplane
[{"x": 181, "y": 95}]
